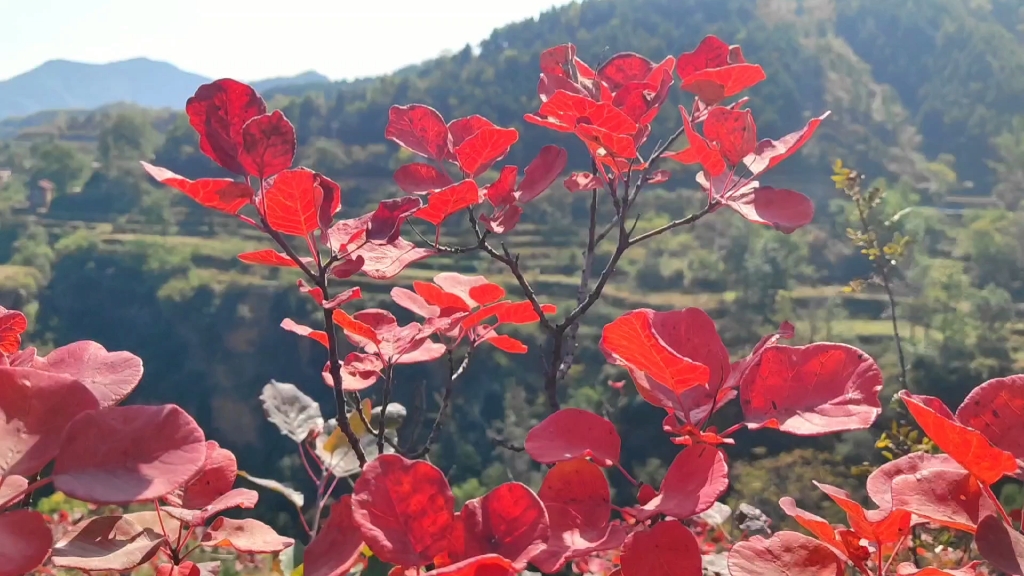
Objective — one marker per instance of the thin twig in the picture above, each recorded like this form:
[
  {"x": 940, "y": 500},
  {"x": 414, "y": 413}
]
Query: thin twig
[
  {"x": 389, "y": 375},
  {"x": 674, "y": 224},
  {"x": 453, "y": 375}
]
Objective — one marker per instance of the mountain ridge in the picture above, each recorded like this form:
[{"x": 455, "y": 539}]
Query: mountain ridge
[{"x": 63, "y": 84}]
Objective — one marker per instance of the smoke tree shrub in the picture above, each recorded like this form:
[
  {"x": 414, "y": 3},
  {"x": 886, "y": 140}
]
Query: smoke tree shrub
[{"x": 401, "y": 507}]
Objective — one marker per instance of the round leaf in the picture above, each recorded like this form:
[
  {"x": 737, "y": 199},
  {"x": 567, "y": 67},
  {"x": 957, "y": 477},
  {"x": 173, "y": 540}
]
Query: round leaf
[
  {"x": 26, "y": 542},
  {"x": 572, "y": 433},
  {"x": 114, "y": 543},
  {"x": 667, "y": 549},
  {"x": 337, "y": 546},
  {"x": 784, "y": 554}
]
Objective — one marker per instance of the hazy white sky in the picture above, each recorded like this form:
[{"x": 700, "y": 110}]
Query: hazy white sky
[{"x": 251, "y": 39}]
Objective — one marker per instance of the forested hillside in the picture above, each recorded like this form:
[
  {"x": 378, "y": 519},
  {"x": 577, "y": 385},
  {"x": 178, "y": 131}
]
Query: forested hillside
[{"x": 925, "y": 97}]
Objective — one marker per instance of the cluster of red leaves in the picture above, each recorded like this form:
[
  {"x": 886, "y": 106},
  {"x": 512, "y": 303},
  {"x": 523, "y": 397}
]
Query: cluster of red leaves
[{"x": 63, "y": 407}]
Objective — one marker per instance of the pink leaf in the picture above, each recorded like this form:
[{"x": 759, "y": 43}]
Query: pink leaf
[
  {"x": 697, "y": 477},
  {"x": 235, "y": 498},
  {"x": 128, "y": 454},
  {"x": 268, "y": 145},
  {"x": 419, "y": 178},
  {"x": 574, "y": 433},
  {"x": 27, "y": 539},
  {"x": 111, "y": 376},
  {"x": 784, "y": 554},
  {"x": 337, "y": 546},
  {"x": 782, "y": 209},
  {"x": 106, "y": 543},
  {"x": 386, "y": 221},
  {"x": 996, "y": 409},
  {"x": 542, "y": 172},
  {"x": 666, "y": 549},
  {"x": 246, "y": 536}
]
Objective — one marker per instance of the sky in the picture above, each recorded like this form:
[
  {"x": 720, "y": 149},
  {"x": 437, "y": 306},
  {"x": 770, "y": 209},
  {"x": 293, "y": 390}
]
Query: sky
[{"x": 252, "y": 39}]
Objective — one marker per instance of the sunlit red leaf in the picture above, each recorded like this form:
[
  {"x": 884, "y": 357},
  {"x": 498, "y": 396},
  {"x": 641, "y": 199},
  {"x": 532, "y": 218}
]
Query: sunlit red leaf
[
  {"x": 346, "y": 268},
  {"x": 970, "y": 448},
  {"x": 419, "y": 128},
  {"x": 128, "y": 454},
  {"x": 36, "y": 408},
  {"x": 769, "y": 153},
  {"x": 478, "y": 152},
  {"x": 386, "y": 221},
  {"x": 996, "y": 409},
  {"x": 327, "y": 199},
  {"x": 444, "y": 203},
  {"x": 268, "y": 257},
  {"x": 542, "y": 172},
  {"x": 355, "y": 329},
  {"x": 715, "y": 84},
  {"x": 106, "y": 543},
  {"x": 502, "y": 192},
  {"x": 462, "y": 129},
  {"x": 223, "y": 194},
  {"x": 782, "y": 209},
  {"x": 268, "y": 145},
  {"x": 843, "y": 542},
  {"x": 404, "y": 510},
  {"x": 879, "y": 483},
  {"x": 436, "y": 296},
  {"x": 522, "y": 313},
  {"x": 12, "y": 324},
  {"x": 666, "y": 549},
  {"x": 1001, "y": 545},
  {"x": 887, "y": 526},
  {"x": 506, "y": 343},
  {"x": 711, "y": 52},
  {"x": 951, "y": 498},
  {"x": 630, "y": 341},
  {"x": 811, "y": 390},
  {"x": 784, "y": 554},
  {"x": 292, "y": 326},
  {"x": 574, "y": 433},
  {"x": 419, "y": 178},
  {"x": 219, "y": 111},
  {"x": 27, "y": 539},
  {"x": 291, "y": 204},
  {"x": 235, "y": 498},
  {"x": 360, "y": 371},
  {"x": 602, "y": 142},
  {"x": 909, "y": 569},
  {"x": 623, "y": 68},
  {"x": 337, "y": 546},
  {"x": 247, "y": 536},
  {"x": 697, "y": 477},
  {"x": 110, "y": 376},
  {"x": 734, "y": 132},
  {"x": 563, "y": 112},
  {"x": 509, "y": 521},
  {"x": 698, "y": 150},
  {"x": 486, "y": 565}
]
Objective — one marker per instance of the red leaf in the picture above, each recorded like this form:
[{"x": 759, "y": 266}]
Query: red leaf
[
  {"x": 563, "y": 112},
  {"x": 734, "y": 132},
  {"x": 784, "y": 554},
  {"x": 128, "y": 454},
  {"x": 666, "y": 549},
  {"x": 769, "y": 153},
  {"x": 882, "y": 527},
  {"x": 318, "y": 335},
  {"x": 630, "y": 341},
  {"x": 448, "y": 201},
  {"x": 36, "y": 408},
  {"x": 502, "y": 220},
  {"x": 349, "y": 295},
  {"x": 404, "y": 510},
  {"x": 574, "y": 433},
  {"x": 419, "y": 178},
  {"x": 106, "y": 543},
  {"x": 952, "y": 498},
  {"x": 419, "y": 128},
  {"x": 236, "y": 498},
  {"x": 909, "y": 569},
  {"x": 1001, "y": 545},
  {"x": 337, "y": 546},
  {"x": 385, "y": 261},
  {"x": 223, "y": 194},
  {"x": 436, "y": 296},
  {"x": 970, "y": 448},
  {"x": 697, "y": 477},
  {"x": 811, "y": 390},
  {"x": 246, "y": 536},
  {"x": 623, "y": 68},
  {"x": 522, "y": 313},
  {"x": 291, "y": 205},
  {"x": 581, "y": 486},
  {"x": 487, "y": 565},
  {"x": 710, "y": 53},
  {"x": 840, "y": 541},
  {"x": 502, "y": 192},
  {"x": 782, "y": 209},
  {"x": 542, "y": 172},
  {"x": 386, "y": 221},
  {"x": 360, "y": 371},
  {"x": 218, "y": 111},
  {"x": 110, "y": 376},
  {"x": 12, "y": 324},
  {"x": 478, "y": 152},
  {"x": 699, "y": 150},
  {"x": 27, "y": 538},
  {"x": 582, "y": 181},
  {"x": 328, "y": 200},
  {"x": 879, "y": 483},
  {"x": 346, "y": 268},
  {"x": 506, "y": 343},
  {"x": 268, "y": 145},
  {"x": 360, "y": 332},
  {"x": 715, "y": 84},
  {"x": 462, "y": 129},
  {"x": 509, "y": 521},
  {"x": 215, "y": 478},
  {"x": 268, "y": 257},
  {"x": 603, "y": 143},
  {"x": 484, "y": 294},
  {"x": 996, "y": 409}
]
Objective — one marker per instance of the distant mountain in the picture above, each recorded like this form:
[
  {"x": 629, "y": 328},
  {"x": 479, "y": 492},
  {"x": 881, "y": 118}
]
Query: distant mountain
[{"x": 64, "y": 85}]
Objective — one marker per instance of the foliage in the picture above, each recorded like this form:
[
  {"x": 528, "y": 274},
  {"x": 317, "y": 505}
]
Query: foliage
[{"x": 402, "y": 510}]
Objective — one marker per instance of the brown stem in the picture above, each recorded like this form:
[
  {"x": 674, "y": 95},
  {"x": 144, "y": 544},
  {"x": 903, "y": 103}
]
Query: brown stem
[
  {"x": 449, "y": 388},
  {"x": 384, "y": 401}
]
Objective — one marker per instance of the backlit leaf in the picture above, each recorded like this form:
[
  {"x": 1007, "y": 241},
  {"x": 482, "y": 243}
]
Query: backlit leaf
[
  {"x": 996, "y": 409},
  {"x": 419, "y": 128},
  {"x": 574, "y": 433},
  {"x": 481, "y": 150},
  {"x": 782, "y": 209},
  {"x": 697, "y": 477},
  {"x": 769, "y": 153},
  {"x": 337, "y": 546},
  {"x": 291, "y": 204},
  {"x": 268, "y": 145},
  {"x": 318, "y": 335},
  {"x": 666, "y": 549},
  {"x": 386, "y": 221},
  {"x": 247, "y": 536},
  {"x": 219, "y": 111},
  {"x": 268, "y": 257},
  {"x": 623, "y": 68},
  {"x": 734, "y": 132},
  {"x": 222, "y": 194},
  {"x": 509, "y": 521},
  {"x": 12, "y": 324},
  {"x": 1001, "y": 545},
  {"x": 419, "y": 178},
  {"x": 448, "y": 201},
  {"x": 784, "y": 554}
]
